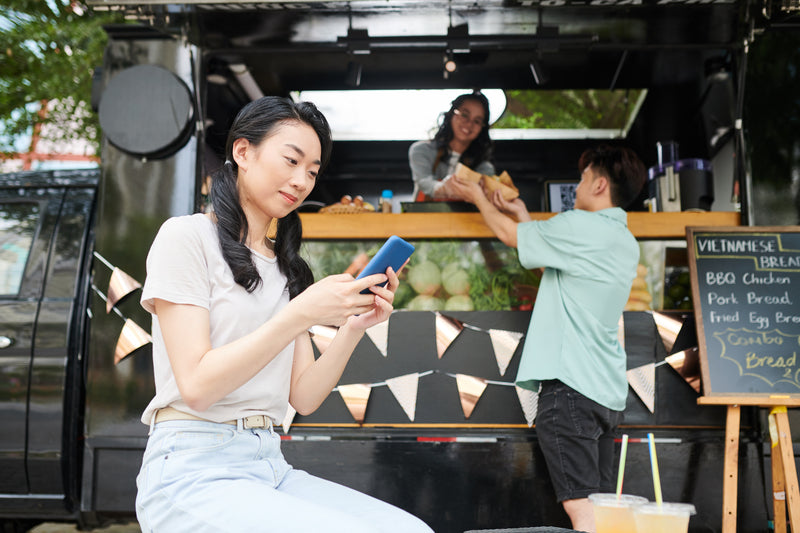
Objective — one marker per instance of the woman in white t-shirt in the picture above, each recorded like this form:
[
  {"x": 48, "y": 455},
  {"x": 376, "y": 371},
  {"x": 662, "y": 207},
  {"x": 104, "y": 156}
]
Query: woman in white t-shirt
[
  {"x": 463, "y": 136},
  {"x": 231, "y": 313}
]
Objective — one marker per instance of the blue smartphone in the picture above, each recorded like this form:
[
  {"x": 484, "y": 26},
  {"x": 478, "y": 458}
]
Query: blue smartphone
[{"x": 394, "y": 252}]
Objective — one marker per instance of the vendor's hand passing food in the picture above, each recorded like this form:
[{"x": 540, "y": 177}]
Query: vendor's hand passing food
[
  {"x": 469, "y": 191},
  {"x": 444, "y": 190}
]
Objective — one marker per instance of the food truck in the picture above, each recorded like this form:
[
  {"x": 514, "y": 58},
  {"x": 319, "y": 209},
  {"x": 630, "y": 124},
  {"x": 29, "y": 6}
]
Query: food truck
[{"x": 426, "y": 415}]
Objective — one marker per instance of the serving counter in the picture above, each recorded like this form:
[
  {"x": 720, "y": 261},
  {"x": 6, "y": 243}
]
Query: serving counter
[{"x": 471, "y": 225}]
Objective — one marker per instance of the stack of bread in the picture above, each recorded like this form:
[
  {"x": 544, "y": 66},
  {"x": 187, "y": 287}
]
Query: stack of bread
[
  {"x": 347, "y": 205},
  {"x": 639, "y": 298},
  {"x": 502, "y": 182}
]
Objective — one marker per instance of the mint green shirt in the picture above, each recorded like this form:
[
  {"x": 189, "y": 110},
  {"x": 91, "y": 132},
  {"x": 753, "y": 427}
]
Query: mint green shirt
[{"x": 590, "y": 261}]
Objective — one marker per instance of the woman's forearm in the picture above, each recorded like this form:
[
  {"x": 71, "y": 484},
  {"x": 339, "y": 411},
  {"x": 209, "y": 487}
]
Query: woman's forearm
[{"x": 315, "y": 382}]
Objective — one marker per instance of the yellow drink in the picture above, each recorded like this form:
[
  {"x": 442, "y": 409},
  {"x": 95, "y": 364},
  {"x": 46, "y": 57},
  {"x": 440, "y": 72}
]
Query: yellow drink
[
  {"x": 613, "y": 520},
  {"x": 614, "y": 515},
  {"x": 663, "y": 518}
]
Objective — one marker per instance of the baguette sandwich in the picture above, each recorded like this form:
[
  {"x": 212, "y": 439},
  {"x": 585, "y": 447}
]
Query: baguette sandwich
[{"x": 490, "y": 183}]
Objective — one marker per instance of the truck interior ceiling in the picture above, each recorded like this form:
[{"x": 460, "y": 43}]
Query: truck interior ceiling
[{"x": 668, "y": 71}]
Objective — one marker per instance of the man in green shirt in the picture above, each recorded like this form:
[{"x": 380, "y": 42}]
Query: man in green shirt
[{"x": 572, "y": 349}]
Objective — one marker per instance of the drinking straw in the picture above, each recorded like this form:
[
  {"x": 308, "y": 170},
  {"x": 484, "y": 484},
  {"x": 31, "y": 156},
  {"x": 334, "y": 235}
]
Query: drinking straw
[
  {"x": 622, "y": 454},
  {"x": 654, "y": 464}
]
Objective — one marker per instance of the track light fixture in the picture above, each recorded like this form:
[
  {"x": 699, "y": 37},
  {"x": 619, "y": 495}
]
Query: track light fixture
[
  {"x": 358, "y": 41},
  {"x": 538, "y": 72},
  {"x": 353, "y": 76},
  {"x": 449, "y": 65},
  {"x": 458, "y": 39}
]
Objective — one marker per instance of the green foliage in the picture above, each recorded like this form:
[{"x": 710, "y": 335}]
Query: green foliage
[
  {"x": 568, "y": 109},
  {"x": 49, "y": 51}
]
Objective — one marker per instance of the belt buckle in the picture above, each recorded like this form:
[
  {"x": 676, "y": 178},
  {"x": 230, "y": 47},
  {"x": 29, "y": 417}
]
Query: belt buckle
[{"x": 255, "y": 421}]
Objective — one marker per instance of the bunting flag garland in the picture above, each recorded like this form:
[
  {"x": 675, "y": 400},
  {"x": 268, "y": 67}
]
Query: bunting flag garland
[
  {"x": 505, "y": 344},
  {"x": 668, "y": 329},
  {"x": 404, "y": 389},
  {"x": 529, "y": 401},
  {"x": 687, "y": 364},
  {"x": 379, "y": 335},
  {"x": 131, "y": 338},
  {"x": 355, "y": 397},
  {"x": 447, "y": 329},
  {"x": 322, "y": 336},
  {"x": 470, "y": 390},
  {"x": 289, "y": 418},
  {"x": 642, "y": 380},
  {"x": 120, "y": 285}
]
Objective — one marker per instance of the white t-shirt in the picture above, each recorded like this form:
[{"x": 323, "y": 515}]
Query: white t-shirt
[{"x": 185, "y": 266}]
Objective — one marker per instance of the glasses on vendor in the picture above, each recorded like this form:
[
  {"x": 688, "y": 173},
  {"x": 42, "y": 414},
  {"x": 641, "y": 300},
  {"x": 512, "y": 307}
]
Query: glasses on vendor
[{"x": 464, "y": 115}]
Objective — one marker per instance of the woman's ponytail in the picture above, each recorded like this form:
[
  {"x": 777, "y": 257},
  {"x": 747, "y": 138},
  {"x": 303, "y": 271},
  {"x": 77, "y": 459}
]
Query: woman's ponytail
[
  {"x": 232, "y": 228},
  {"x": 287, "y": 250}
]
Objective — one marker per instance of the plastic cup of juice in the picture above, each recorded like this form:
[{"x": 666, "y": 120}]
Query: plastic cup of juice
[
  {"x": 663, "y": 518},
  {"x": 614, "y": 514}
]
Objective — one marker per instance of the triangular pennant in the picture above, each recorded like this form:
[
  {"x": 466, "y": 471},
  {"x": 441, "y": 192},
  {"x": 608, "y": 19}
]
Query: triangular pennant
[
  {"x": 529, "y": 401},
  {"x": 621, "y": 331},
  {"x": 447, "y": 329},
  {"x": 355, "y": 397},
  {"x": 379, "y": 335},
  {"x": 322, "y": 336},
  {"x": 131, "y": 338},
  {"x": 288, "y": 419},
  {"x": 642, "y": 380},
  {"x": 404, "y": 389},
  {"x": 119, "y": 286},
  {"x": 687, "y": 364},
  {"x": 470, "y": 390},
  {"x": 668, "y": 329},
  {"x": 505, "y": 344}
]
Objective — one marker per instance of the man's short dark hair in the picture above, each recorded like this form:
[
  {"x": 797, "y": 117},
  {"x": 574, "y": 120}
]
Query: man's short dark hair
[{"x": 623, "y": 168}]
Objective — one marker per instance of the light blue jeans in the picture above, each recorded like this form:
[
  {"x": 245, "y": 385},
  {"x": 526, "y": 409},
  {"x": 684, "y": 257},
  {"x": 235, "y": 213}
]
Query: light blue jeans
[{"x": 204, "y": 477}]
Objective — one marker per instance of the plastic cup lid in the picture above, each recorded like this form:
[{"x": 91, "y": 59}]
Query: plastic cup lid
[
  {"x": 685, "y": 509},
  {"x": 610, "y": 499}
]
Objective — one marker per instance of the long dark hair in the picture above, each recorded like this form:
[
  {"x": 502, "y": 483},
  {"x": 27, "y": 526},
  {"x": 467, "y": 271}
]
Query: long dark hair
[
  {"x": 481, "y": 148},
  {"x": 255, "y": 122}
]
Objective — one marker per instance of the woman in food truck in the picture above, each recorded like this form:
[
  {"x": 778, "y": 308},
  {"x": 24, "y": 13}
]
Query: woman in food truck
[{"x": 462, "y": 137}]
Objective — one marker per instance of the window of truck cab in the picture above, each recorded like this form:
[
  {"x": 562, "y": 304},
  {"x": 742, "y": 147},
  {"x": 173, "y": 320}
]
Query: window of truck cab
[{"x": 18, "y": 222}]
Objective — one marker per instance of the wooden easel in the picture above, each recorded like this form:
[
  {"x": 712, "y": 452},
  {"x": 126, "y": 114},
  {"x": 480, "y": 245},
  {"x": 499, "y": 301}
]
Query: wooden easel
[{"x": 784, "y": 473}]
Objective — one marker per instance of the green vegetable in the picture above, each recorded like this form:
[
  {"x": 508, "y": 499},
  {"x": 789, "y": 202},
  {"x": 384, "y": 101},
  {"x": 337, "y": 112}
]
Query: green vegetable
[
  {"x": 455, "y": 280},
  {"x": 459, "y": 302},
  {"x": 424, "y": 302},
  {"x": 425, "y": 278}
]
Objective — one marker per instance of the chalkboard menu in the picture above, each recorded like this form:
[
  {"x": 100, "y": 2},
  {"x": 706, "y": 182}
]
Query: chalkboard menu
[{"x": 746, "y": 292}]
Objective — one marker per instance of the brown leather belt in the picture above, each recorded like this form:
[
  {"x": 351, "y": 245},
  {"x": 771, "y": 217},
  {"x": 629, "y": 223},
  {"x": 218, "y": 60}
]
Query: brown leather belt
[{"x": 248, "y": 422}]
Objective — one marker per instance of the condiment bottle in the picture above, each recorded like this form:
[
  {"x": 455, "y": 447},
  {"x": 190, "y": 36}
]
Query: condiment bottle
[{"x": 386, "y": 201}]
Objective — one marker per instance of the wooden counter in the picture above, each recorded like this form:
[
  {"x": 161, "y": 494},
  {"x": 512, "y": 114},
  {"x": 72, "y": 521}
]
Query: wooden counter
[{"x": 471, "y": 225}]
